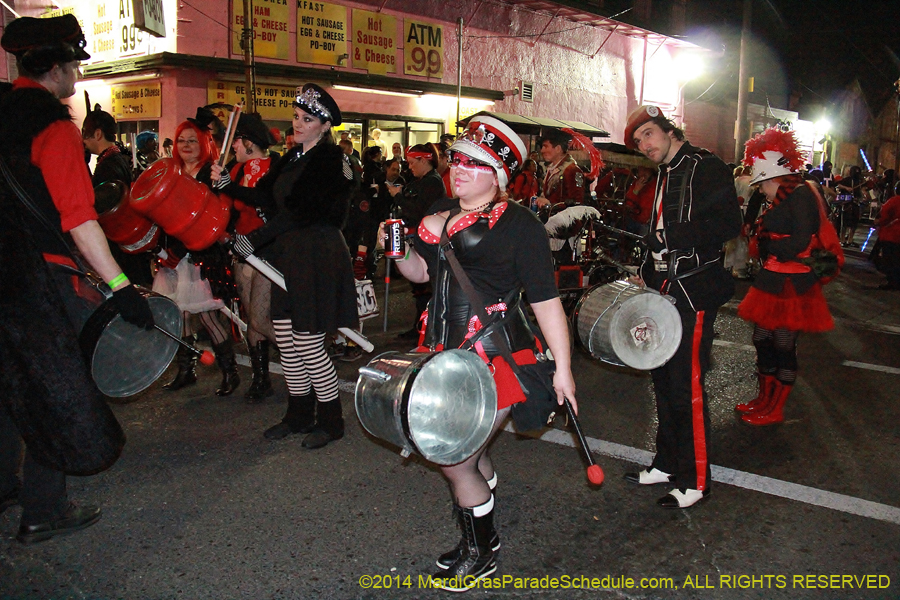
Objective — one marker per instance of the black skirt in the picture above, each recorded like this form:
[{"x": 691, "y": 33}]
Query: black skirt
[{"x": 321, "y": 294}]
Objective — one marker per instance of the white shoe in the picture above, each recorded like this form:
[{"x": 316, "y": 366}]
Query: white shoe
[
  {"x": 683, "y": 499},
  {"x": 650, "y": 477}
]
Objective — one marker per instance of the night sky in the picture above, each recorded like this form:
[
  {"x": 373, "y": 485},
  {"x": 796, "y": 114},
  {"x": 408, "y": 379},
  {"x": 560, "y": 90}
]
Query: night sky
[{"x": 811, "y": 48}]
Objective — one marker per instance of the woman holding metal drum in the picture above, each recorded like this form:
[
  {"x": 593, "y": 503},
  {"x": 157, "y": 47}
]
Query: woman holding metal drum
[
  {"x": 306, "y": 197},
  {"x": 786, "y": 297},
  {"x": 502, "y": 250},
  {"x": 198, "y": 281}
]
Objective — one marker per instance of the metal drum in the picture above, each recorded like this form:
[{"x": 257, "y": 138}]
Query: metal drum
[
  {"x": 439, "y": 405},
  {"x": 123, "y": 359},
  {"x": 627, "y": 325},
  {"x": 122, "y": 224}
]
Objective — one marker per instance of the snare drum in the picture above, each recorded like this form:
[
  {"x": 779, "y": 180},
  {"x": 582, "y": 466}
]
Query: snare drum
[
  {"x": 626, "y": 325},
  {"x": 123, "y": 359}
]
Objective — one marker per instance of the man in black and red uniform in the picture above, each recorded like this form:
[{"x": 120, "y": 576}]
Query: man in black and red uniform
[
  {"x": 695, "y": 212},
  {"x": 564, "y": 181},
  {"x": 42, "y": 364},
  {"x": 98, "y": 132}
]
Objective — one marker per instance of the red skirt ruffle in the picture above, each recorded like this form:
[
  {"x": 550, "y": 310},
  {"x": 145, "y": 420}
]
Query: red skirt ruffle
[{"x": 787, "y": 310}]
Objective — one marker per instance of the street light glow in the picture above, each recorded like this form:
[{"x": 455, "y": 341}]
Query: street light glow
[
  {"x": 823, "y": 125},
  {"x": 688, "y": 65}
]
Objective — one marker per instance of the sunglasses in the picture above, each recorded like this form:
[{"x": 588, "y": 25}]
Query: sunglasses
[{"x": 466, "y": 162}]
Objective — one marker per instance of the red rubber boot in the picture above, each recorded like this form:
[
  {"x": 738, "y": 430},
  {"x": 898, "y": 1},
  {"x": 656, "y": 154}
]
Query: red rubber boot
[
  {"x": 763, "y": 399},
  {"x": 775, "y": 414}
]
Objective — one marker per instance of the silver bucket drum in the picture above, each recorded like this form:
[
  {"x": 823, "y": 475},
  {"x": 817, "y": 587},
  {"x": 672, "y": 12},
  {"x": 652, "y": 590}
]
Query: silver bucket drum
[
  {"x": 626, "y": 325},
  {"x": 439, "y": 405},
  {"x": 123, "y": 359}
]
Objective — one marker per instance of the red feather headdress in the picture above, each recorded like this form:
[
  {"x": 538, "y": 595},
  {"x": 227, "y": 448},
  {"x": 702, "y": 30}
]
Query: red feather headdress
[
  {"x": 584, "y": 143},
  {"x": 775, "y": 140}
]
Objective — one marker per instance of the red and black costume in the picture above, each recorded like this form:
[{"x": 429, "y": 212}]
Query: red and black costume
[
  {"x": 564, "y": 183},
  {"x": 504, "y": 252},
  {"x": 889, "y": 241},
  {"x": 696, "y": 207},
  {"x": 43, "y": 366}
]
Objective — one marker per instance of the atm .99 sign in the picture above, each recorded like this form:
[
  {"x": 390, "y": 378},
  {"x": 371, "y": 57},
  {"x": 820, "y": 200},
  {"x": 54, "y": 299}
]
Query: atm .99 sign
[{"x": 423, "y": 52}]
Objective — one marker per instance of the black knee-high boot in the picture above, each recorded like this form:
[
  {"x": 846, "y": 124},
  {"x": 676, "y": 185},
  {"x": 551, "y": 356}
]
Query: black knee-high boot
[
  {"x": 329, "y": 425},
  {"x": 299, "y": 418},
  {"x": 187, "y": 366},
  {"x": 477, "y": 559},
  {"x": 261, "y": 386},
  {"x": 227, "y": 363}
]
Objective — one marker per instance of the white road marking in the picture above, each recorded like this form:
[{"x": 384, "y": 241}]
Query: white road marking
[
  {"x": 871, "y": 367},
  {"x": 749, "y": 481}
]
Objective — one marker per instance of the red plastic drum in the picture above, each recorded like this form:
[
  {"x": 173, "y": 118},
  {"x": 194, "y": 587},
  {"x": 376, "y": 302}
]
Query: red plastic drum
[
  {"x": 181, "y": 205},
  {"x": 122, "y": 224}
]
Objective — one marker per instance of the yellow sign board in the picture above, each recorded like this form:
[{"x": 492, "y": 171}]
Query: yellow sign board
[
  {"x": 270, "y": 28},
  {"x": 273, "y": 102},
  {"x": 137, "y": 101},
  {"x": 321, "y": 33},
  {"x": 374, "y": 42},
  {"x": 423, "y": 52}
]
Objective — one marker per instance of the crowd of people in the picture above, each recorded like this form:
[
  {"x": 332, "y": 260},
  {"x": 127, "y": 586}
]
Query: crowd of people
[{"x": 473, "y": 251}]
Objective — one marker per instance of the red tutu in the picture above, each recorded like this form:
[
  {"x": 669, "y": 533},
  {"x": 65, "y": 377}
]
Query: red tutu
[{"x": 787, "y": 310}]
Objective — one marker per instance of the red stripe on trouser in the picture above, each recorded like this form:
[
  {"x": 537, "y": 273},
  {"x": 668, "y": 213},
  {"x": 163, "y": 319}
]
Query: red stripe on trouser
[{"x": 697, "y": 405}]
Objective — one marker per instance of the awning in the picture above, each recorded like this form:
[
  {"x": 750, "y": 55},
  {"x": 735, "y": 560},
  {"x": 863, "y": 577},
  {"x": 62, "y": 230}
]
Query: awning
[{"x": 536, "y": 125}]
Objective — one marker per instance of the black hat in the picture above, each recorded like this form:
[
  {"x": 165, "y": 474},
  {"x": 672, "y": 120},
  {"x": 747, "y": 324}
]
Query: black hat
[
  {"x": 43, "y": 41},
  {"x": 204, "y": 119},
  {"x": 316, "y": 101},
  {"x": 251, "y": 127}
]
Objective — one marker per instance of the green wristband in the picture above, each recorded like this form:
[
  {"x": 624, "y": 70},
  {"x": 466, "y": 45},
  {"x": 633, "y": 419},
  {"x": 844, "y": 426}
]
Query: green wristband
[{"x": 118, "y": 279}]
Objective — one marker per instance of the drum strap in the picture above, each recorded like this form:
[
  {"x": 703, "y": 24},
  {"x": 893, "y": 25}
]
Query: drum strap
[
  {"x": 29, "y": 204},
  {"x": 478, "y": 304}
]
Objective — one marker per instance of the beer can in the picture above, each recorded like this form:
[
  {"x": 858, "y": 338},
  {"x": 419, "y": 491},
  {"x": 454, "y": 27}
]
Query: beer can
[{"x": 393, "y": 246}]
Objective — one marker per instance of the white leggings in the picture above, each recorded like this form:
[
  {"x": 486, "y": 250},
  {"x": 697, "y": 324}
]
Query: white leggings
[{"x": 305, "y": 363}]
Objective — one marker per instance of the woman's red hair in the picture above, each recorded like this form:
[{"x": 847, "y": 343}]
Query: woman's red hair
[{"x": 208, "y": 150}]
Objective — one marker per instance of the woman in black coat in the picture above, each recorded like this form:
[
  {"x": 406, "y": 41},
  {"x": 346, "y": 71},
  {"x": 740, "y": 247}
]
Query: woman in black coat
[{"x": 307, "y": 192}]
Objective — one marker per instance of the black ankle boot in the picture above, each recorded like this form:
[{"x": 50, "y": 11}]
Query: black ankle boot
[
  {"x": 261, "y": 385},
  {"x": 329, "y": 425},
  {"x": 299, "y": 418},
  {"x": 187, "y": 366},
  {"x": 446, "y": 560},
  {"x": 477, "y": 559},
  {"x": 227, "y": 363}
]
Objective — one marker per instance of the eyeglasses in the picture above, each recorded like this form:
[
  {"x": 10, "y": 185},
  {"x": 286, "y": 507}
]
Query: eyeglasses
[
  {"x": 183, "y": 141},
  {"x": 462, "y": 161}
]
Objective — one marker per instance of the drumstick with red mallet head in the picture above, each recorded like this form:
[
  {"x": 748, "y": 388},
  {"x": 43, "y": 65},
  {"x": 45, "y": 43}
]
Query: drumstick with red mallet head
[
  {"x": 594, "y": 472},
  {"x": 206, "y": 357}
]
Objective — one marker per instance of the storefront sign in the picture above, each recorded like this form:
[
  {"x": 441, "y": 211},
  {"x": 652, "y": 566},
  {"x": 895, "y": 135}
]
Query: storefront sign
[
  {"x": 137, "y": 101},
  {"x": 423, "y": 52},
  {"x": 273, "y": 102},
  {"x": 149, "y": 17},
  {"x": 321, "y": 33},
  {"x": 270, "y": 28},
  {"x": 109, "y": 29},
  {"x": 374, "y": 42}
]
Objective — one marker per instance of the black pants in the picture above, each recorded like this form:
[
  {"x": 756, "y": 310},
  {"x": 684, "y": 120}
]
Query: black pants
[
  {"x": 890, "y": 252},
  {"x": 43, "y": 493},
  {"x": 682, "y": 439}
]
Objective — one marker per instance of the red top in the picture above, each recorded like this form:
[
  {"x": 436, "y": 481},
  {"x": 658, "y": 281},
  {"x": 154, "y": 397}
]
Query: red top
[
  {"x": 448, "y": 187},
  {"x": 59, "y": 153},
  {"x": 525, "y": 186},
  {"x": 248, "y": 218},
  {"x": 889, "y": 221}
]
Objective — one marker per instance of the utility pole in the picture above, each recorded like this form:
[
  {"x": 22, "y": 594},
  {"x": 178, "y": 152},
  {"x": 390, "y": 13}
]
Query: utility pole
[
  {"x": 249, "y": 59},
  {"x": 740, "y": 130},
  {"x": 897, "y": 148},
  {"x": 459, "y": 36}
]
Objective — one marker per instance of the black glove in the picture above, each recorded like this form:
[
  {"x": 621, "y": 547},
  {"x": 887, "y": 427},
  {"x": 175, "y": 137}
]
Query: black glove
[
  {"x": 242, "y": 246},
  {"x": 224, "y": 181},
  {"x": 653, "y": 242},
  {"x": 134, "y": 307}
]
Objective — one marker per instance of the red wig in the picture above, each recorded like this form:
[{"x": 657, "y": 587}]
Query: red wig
[
  {"x": 775, "y": 140},
  {"x": 208, "y": 150}
]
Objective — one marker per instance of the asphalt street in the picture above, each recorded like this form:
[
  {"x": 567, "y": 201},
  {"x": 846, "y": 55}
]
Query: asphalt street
[{"x": 202, "y": 506}]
